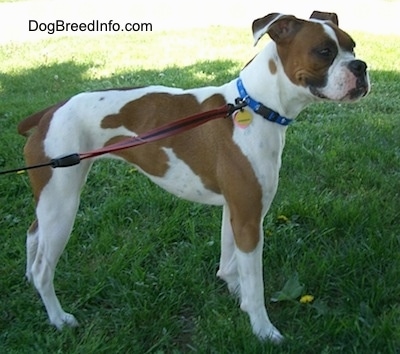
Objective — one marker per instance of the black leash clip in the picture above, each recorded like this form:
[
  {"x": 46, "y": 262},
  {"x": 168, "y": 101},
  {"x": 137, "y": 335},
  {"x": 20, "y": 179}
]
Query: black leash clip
[
  {"x": 239, "y": 105},
  {"x": 65, "y": 161}
]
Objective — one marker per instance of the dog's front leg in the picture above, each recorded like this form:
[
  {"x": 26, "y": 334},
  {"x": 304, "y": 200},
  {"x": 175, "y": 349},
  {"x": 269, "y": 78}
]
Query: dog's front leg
[
  {"x": 252, "y": 294},
  {"x": 248, "y": 253},
  {"x": 228, "y": 265}
]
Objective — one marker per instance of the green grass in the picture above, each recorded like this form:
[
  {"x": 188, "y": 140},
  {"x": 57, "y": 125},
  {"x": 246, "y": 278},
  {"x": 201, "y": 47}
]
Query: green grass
[{"x": 139, "y": 271}]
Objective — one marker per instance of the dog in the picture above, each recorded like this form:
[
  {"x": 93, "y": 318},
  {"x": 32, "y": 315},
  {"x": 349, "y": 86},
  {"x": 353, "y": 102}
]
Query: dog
[{"x": 233, "y": 162}]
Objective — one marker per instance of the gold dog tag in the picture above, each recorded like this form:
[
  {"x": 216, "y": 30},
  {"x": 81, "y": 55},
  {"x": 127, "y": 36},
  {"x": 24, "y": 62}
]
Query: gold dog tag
[{"x": 242, "y": 118}]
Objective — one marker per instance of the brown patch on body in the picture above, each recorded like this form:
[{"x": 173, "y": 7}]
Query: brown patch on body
[
  {"x": 156, "y": 109},
  {"x": 272, "y": 66},
  {"x": 208, "y": 150},
  {"x": 34, "y": 148}
]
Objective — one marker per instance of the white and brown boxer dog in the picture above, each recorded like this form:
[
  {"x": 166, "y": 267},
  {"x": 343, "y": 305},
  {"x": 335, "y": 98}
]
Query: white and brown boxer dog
[{"x": 230, "y": 162}]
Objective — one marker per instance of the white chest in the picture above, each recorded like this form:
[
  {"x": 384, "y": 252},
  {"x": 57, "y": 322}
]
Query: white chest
[{"x": 262, "y": 143}]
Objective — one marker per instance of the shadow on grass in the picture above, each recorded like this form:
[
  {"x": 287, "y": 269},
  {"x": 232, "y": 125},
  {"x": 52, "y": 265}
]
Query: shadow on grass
[
  {"x": 27, "y": 91},
  {"x": 49, "y": 83}
]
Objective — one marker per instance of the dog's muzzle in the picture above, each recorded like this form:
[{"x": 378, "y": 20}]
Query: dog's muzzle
[{"x": 359, "y": 69}]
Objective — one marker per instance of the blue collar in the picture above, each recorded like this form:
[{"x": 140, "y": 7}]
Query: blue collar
[{"x": 259, "y": 108}]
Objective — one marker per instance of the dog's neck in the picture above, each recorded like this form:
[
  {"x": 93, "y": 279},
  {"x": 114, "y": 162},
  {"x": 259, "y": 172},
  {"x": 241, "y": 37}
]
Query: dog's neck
[{"x": 274, "y": 89}]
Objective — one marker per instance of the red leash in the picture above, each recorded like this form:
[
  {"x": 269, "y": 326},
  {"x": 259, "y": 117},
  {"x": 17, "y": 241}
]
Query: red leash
[{"x": 155, "y": 134}]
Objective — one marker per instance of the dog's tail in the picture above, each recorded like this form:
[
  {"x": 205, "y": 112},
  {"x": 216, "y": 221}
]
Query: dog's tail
[{"x": 32, "y": 121}]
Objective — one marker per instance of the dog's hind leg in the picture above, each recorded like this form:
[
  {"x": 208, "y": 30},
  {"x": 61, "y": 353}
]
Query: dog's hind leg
[
  {"x": 56, "y": 210},
  {"x": 31, "y": 248}
]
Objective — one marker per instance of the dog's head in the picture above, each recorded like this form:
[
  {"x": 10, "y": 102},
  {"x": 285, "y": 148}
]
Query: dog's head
[{"x": 316, "y": 54}]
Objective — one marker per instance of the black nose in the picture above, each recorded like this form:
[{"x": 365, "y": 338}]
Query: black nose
[{"x": 358, "y": 67}]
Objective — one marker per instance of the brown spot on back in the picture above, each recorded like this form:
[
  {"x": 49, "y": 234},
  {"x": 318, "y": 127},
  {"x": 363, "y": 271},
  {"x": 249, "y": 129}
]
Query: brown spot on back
[{"x": 156, "y": 109}]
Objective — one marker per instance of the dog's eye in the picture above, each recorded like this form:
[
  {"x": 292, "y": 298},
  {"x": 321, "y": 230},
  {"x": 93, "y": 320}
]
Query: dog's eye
[{"x": 325, "y": 53}]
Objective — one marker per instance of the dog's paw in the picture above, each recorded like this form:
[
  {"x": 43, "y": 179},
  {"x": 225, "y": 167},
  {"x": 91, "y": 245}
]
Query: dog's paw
[
  {"x": 263, "y": 328},
  {"x": 274, "y": 336},
  {"x": 66, "y": 319},
  {"x": 269, "y": 333}
]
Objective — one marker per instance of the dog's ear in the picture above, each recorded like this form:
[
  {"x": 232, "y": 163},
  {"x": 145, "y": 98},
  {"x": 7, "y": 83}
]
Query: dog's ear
[
  {"x": 279, "y": 27},
  {"x": 325, "y": 16}
]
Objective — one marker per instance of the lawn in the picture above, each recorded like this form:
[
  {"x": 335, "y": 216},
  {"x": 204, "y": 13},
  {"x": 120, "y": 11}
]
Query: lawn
[{"x": 139, "y": 271}]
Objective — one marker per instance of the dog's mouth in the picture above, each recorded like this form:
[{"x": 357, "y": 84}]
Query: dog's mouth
[
  {"x": 317, "y": 93},
  {"x": 360, "y": 90}
]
